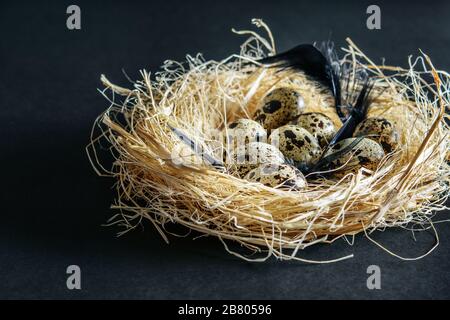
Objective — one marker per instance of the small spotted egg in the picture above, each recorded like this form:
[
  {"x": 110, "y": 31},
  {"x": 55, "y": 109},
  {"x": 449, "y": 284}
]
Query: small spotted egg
[
  {"x": 278, "y": 107},
  {"x": 250, "y": 156},
  {"x": 243, "y": 131},
  {"x": 273, "y": 175},
  {"x": 318, "y": 124},
  {"x": 367, "y": 153},
  {"x": 296, "y": 144},
  {"x": 379, "y": 130}
]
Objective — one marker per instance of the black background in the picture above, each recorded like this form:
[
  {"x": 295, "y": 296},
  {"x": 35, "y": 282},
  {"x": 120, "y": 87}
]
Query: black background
[{"x": 52, "y": 204}]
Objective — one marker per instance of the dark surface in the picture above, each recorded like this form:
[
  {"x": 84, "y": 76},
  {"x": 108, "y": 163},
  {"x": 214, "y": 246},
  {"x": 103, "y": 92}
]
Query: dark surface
[{"x": 53, "y": 205}]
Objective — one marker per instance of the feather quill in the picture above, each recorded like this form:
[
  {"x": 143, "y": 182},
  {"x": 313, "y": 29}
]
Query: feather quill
[
  {"x": 197, "y": 149},
  {"x": 358, "y": 112}
]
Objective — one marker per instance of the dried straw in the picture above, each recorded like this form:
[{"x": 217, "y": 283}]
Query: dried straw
[{"x": 200, "y": 96}]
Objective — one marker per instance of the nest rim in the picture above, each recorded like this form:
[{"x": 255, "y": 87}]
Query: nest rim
[{"x": 216, "y": 203}]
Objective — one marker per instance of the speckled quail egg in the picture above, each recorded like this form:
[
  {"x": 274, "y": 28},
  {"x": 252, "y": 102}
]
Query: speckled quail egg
[
  {"x": 296, "y": 144},
  {"x": 273, "y": 175},
  {"x": 380, "y": 130},
  {"x": 244, "y": 131},
  {"x": 318, "y": 124},
  {"x": 366, "y": 153},
  {"x": 278, "y": 107},
  {"x": 248, "y": 157}
]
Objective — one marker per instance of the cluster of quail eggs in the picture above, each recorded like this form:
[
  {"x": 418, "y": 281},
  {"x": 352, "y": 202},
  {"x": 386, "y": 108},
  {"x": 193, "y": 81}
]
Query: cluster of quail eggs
[{"x": 281, "y": 133}]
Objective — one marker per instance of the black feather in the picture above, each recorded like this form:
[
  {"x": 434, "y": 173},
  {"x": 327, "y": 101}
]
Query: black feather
[
  {"x": 315, "y": 64},
  {"x": 337, "y": 71},
  {"x": 324, "y": 162},
  {"x": 197, "y": 149},
  {"x": 358, "y": 112}
]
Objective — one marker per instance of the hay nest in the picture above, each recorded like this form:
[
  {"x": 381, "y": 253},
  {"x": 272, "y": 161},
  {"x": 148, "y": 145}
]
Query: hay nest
[{"x": 200, "y": 97}]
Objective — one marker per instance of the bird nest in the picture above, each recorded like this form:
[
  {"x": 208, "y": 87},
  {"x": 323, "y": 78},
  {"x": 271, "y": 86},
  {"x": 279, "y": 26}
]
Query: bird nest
[{"x": 160, "y": 180}]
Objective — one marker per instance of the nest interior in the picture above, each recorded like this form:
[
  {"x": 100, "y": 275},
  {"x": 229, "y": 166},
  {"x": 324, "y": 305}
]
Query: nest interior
[{"x": 160, "y": 179}]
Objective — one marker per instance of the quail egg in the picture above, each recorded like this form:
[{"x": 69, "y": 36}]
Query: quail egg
[
  {"x": 248, "y": 157},
  {"x": 318, "y": 124},
  {"x": 296, "y": 144},
  {"x": 243, "y": 131},
  {"x": 367, "y": 153},
  {"x": 278, "y": 107},
  {"x": 380, "y": 130},
  {"x": 273, "y": 175}
]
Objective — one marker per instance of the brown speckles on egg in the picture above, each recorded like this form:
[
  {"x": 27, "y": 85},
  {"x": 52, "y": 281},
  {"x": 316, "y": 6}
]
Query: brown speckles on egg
[
  {"x": 367, "y": 153},
  {"x": 293, "y": 140},
  {"x": 363, "y": 160},
  {"x": 274, "y": 175},
  {"x": 278, "y": 107},
  {"x": 307, "y": 139},
  {"x": 296, "y": 143},
  {"x": 272, "y": 106},
  {"x": 248, "y": 157},
  {"x": 318, "y": 124},
  {"x": 244, "y": 131},
  {"x": 260, "y": 117},
  {"x": 380, "y": 130}
]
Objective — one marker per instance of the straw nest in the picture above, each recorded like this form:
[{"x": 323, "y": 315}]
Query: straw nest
[{"x": 162, "y": 180}]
